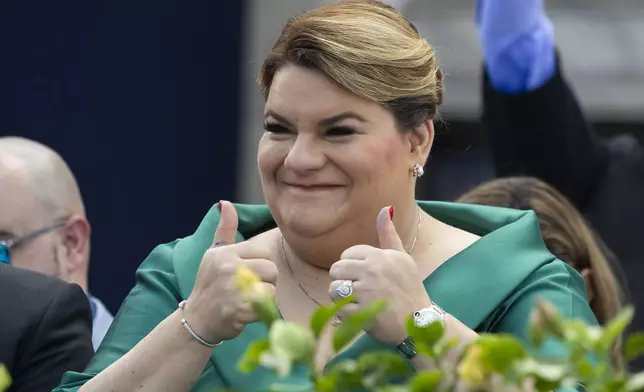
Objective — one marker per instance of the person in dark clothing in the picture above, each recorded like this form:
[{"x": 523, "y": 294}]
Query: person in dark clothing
[
  {"x": 536, "y": 128},
  {"x": 46, "y": 329}
]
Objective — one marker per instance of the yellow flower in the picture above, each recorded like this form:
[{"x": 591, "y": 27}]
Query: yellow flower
[
  {"x": 472, "y": 370},
  {"x": 248, "y": 282},
  {"x": 5, "y": 378}
]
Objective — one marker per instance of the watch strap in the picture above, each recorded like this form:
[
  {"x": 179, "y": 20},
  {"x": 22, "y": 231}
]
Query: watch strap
[{"x": 407, "y": 348}]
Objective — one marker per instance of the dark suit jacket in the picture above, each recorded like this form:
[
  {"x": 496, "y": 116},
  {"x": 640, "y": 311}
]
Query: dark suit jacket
[
  {"x": 45, "y": 329},
  {"x": 544, "y": 134}
]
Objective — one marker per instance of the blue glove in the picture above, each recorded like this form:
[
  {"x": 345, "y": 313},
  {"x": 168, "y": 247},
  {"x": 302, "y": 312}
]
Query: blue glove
[{"x": 518, "y": 43}]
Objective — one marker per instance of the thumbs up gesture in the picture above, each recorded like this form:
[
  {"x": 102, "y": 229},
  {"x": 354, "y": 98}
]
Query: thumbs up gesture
[
  {"x": 216, "y": 309},
  {"x": 384, "y": 273}
]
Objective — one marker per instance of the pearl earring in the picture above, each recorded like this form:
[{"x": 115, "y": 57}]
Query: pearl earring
[{"x": 417, "y": 171}]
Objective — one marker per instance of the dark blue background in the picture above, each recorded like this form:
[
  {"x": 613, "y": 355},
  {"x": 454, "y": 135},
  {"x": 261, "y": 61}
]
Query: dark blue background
[{"x": 142, "y": 100}]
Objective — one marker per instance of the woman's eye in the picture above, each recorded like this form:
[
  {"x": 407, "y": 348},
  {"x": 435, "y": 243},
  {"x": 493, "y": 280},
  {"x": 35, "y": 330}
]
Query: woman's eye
[
  {"x": 339, "y": 131},
  {"x": 275, "y": 128}
]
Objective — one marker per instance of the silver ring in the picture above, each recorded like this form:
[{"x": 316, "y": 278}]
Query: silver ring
[{"x": 345, "y": 289}]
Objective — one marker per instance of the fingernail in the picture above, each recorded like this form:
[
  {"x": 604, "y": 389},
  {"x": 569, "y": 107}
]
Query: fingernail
[
  {"x": 219, "y": 205},
  {"x": 391, "y": 212}
]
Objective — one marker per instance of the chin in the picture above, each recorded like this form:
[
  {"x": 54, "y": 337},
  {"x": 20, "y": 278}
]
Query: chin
[{"x": 306, "y": 219}]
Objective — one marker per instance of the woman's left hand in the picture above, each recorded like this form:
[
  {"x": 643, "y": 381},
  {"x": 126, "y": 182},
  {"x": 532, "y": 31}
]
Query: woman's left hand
[{"x": 385, "y": 273}]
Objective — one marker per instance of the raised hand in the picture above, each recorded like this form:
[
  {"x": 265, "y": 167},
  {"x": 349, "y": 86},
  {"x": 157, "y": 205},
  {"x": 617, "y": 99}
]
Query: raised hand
[
  {"x": 387, "y": 273},
  {"x": 216, "y": 309}
]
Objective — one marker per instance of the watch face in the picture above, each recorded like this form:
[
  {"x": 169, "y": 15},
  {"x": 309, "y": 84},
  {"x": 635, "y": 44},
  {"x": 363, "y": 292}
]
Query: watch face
[{"x": 425, "y": 317}]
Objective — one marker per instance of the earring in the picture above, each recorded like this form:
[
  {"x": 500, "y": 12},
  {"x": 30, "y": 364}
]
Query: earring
[{"x": 417, "y": 171}]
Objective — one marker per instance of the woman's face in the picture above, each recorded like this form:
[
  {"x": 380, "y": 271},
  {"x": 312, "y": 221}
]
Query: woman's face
[{"x": 329, "y": 158}]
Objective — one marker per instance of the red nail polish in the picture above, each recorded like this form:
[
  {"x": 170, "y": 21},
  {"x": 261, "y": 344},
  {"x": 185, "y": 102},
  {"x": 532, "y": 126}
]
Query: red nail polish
[
  {"x": 219, "y": 205},
  {"x": 391, "y": 212}
]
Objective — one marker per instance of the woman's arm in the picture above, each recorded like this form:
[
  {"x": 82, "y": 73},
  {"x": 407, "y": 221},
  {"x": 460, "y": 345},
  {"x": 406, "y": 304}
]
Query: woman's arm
[
  {"x": 454, "y": 329},
  {"x": 146, "y": 347},
  {"x": 168, "y": 359}
]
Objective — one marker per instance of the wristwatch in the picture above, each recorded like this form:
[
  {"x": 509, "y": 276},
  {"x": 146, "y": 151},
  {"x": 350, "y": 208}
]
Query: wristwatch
[
  {"x": 426, "y": 316},
  {"x": 422, "y": 318}
]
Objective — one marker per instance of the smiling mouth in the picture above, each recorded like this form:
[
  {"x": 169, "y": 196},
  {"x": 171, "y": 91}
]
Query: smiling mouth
[{"x": 313, "y": 187}]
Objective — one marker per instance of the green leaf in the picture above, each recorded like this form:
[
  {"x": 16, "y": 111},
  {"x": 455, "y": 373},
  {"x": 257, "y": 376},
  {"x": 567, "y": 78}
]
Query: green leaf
[
  {"x": 281, "y": 364},
  {"x": 634, "y": 346},
  {"x": 347, "y": 366},
  {"x": 344, "y": 375},
  {"x": 578, "y": 331},
  {"x": 585, "y": 369},
  {"x": 292, "y": 341},
  {"x": 266, "y": 310},
  {"x": 618, "y": 384},
  {"x": 614, "y": 329},
  {"x": 355, "y": 323},
  {"x": 444, "y": 346},
  {"x": 547, "y": 376},
  {"x": 425, "y": 338},
  {"x": 289, "y": 388},
  {"x": 370, "y": 371},
  {"x": 5, "y": 378},
  {"x": 499, "y": 352},
  {"x": 326, "y": 384},
  {"x": 377, "y": 368},
  {"x": 393, "y": 388},
  {"x": 387, "y": 362},
  {"x": 250, "y": 360},
  {"x": 323, "y": 314},
  {"x": 426, "y": 382},
  {"x": 547, "y": 319},
  {"x": 536, "y": 335},
  {"x": 635, "y": 383}
]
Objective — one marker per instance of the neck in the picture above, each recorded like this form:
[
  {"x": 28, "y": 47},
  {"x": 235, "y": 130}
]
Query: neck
[
  {"x": 324, "y": 250},
  {"x": 79, "y": 280}
]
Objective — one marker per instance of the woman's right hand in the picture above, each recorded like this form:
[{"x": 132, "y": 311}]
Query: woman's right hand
[{"x": 216, "y": 310}]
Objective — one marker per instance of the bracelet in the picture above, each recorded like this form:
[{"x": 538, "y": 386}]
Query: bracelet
[{"x": 198, "y": 338}]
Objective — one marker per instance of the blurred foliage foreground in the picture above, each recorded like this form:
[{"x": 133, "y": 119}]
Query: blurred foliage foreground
[{"x": 494, "y": 362}]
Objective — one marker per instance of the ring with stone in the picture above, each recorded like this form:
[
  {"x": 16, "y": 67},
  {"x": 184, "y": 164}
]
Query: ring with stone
[{"x": 345, "y": 289}]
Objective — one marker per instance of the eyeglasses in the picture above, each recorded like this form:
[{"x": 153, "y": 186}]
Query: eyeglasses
[{"x": 7, "y": 245}]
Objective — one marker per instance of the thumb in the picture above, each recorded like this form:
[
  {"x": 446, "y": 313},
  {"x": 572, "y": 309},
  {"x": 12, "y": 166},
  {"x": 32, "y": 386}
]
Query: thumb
[
  {"x": 226, "y": 232},
  {"x": 387, "y": 234}
]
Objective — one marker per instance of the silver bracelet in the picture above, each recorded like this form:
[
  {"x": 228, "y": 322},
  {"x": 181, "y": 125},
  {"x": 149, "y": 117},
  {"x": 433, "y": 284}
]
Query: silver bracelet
[{"x": 198, "y": 338}]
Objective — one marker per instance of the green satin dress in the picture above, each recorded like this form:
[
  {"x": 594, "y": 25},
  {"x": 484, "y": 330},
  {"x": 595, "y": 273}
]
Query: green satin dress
[{"x": 491, "y": 286}]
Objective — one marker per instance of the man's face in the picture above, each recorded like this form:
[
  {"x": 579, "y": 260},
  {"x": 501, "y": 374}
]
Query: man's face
[{"x": 21, "y": 212}]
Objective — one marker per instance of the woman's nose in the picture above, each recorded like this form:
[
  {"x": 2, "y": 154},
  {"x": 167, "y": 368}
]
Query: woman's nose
[{"x": 305, "y": 154}]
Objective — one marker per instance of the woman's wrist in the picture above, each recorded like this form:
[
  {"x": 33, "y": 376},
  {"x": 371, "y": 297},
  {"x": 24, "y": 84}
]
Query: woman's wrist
[
  {"x": 192, "y": 333},
  {"x": 200, "y": 325},
  {"x": 455, "y": 329}
]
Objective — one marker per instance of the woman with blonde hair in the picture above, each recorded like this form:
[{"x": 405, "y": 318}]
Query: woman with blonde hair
[
  {"x": 565, "y": 233},
  {"x": 352, "y": 92}
]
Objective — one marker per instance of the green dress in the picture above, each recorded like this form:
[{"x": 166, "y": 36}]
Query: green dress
[{"x": 491, "y": 286}]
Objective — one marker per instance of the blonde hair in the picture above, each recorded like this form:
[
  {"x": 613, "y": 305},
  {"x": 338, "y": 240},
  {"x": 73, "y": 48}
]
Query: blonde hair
[
  {"x": 565, "y": 233},
  {"x": 368, "y": 48}
]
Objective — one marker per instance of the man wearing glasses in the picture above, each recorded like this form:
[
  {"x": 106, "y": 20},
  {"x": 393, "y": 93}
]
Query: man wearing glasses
[{"x": 43, "y": 227}]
